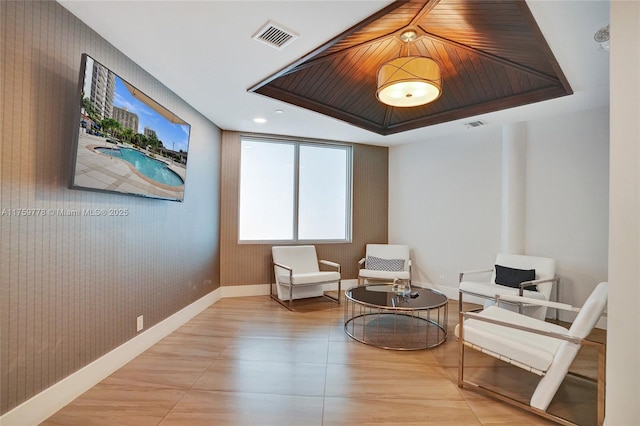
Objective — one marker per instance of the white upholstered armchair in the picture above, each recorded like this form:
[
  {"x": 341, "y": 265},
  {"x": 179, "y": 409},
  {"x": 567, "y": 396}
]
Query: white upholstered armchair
[
  {"x": 298, "y": 275},
  {"x": 540, "y": 347},
  {"x": 385, "y": 262},
  {"x": 513, "y": 274}
]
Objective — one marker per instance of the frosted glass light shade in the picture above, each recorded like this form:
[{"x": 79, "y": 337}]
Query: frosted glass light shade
[{"x": 409, "y": 81}]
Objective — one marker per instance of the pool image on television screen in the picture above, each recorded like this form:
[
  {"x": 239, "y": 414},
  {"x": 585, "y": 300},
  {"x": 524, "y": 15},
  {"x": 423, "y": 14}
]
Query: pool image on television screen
[{"x": 127, "y": 142}]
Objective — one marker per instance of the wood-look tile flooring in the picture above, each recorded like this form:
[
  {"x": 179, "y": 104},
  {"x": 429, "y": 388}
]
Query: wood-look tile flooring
[{"x": 249, "y": 361}]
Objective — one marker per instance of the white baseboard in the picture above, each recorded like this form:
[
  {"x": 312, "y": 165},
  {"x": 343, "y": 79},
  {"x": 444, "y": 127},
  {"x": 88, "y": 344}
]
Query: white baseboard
[
  {"x": 245, "y": 290},
  {"x": 46, "y": 403}
]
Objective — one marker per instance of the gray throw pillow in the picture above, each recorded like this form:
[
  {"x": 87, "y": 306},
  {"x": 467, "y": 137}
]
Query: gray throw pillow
[{"x": 378, "y": 264}]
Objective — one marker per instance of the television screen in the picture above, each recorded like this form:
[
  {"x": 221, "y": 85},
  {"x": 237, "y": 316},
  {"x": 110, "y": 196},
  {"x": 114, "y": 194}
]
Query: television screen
[{"x": 127, "y": 142}]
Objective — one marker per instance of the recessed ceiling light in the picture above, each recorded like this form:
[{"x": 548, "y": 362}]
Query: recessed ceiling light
[
  {"x": 279, "y": 111},
  {"x": 259, "y": 120}
]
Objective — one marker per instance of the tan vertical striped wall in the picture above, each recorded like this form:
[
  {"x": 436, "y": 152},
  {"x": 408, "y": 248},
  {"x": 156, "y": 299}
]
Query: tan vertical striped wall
[
  {"x": 243, "y": 264},
  {"x": 72, "y": 287}
]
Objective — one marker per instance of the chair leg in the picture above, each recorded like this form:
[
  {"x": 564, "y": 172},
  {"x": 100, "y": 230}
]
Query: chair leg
[
  {"x": 601, "y": 384},
  {"x": 275, "y": 297},
  {"x": 274, "y": 282},
  {"x": 289, "y": 304},
  {"x": 290, "y": 296},
  {"x": 557, "y": 300},
  {"x": 521, "y": 294},
  {"x": 335, "y": 299},
  {"x": 461, "y": 354}
]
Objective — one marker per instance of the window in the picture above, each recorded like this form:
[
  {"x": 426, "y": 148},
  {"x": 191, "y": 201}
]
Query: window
[{"x": 294, "y": 191}]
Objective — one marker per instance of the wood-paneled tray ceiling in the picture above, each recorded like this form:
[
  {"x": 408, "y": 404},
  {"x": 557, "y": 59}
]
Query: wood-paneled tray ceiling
[{"x": 492, "y": 56}]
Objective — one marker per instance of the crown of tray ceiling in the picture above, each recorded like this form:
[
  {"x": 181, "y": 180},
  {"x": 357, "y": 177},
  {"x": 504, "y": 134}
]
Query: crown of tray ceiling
[{"x": 491, "y": 53}]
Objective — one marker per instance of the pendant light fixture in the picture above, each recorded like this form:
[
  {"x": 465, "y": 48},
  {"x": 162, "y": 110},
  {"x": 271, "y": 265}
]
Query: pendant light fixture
[{"x": 409, "y": 81}]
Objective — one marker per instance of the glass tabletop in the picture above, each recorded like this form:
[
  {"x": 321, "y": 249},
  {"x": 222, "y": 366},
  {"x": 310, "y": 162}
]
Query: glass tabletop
[{"x": 382, "y": 295}]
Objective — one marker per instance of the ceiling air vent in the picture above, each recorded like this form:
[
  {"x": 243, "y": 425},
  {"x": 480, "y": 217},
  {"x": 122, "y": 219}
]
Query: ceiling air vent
[
  {"x": 472, "y": 124},
  {"x": 275, "y": 35}
]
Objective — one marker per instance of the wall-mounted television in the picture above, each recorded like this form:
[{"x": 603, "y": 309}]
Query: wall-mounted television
[{"x": 127, "y": 143}]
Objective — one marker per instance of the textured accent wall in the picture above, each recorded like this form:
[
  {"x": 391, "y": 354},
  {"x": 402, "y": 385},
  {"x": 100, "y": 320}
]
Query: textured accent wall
[
  {"x": 243, "y": 264},
  {"x": 71, "y": 287}
]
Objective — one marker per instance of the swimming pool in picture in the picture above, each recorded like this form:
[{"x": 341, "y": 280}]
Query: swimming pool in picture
[{"x": 150, "y": 167}]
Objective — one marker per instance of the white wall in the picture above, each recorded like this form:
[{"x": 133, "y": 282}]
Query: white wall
[
  {"x": 567, "y": 198},
  {"x": 444, "y": 201},
  {"x": 453, "y": 185},
  {"x": 623, "y": 339}
]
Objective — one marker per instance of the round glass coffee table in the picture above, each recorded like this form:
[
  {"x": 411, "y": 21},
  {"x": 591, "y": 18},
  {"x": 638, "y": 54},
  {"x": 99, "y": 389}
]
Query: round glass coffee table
[{"x": 376, "y": 315}]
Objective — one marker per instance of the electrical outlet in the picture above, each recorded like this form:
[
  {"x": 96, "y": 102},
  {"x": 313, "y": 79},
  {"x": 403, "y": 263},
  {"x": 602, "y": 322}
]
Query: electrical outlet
[
  {"x": 441, "y": 279},
  {"x": 140, "y": 323},
  {"x": 207, "y": 283}
]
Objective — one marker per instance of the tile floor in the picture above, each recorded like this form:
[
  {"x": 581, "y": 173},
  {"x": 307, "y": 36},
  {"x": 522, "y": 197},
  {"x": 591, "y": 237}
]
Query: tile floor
[{"x": 249, "y": 361}]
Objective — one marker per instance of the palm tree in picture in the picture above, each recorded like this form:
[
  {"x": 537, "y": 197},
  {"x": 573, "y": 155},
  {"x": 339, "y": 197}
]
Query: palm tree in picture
[
  {"x": 127, "y": 134},
  {"x": 111, "y": 126}
]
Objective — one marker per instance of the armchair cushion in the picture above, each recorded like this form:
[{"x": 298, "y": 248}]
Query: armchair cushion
[
  {"x": 524, "y": 349},
  {"x": 384, "y": 275},
  {"x": 512, "y": 277},
  {"x": 373, "y": 263},
  {"x": 300, "y": 278}
]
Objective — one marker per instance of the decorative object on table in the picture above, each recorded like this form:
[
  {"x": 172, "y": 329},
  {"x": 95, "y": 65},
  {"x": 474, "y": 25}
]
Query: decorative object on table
[{"x": 401, "y": 287}]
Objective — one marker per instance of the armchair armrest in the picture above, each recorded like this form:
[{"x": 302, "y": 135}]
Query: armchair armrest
[
  {"x": 326, "y": 262},
  {"x": 476, "y": 271},
  {"x": 530, "y": 301},
  {"x": 536, "y": 282},
  {"x": 532, "y": 283},
  {"x": 555, "y": 335}
]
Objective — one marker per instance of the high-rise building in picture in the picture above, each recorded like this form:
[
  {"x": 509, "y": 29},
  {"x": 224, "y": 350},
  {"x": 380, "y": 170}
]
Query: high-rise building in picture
[
  {"x": 103, "y": 87},
  {"x": 126, "y": 118},
  {"x": 149, "y": 132}
]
